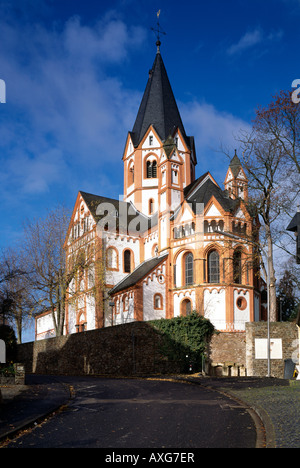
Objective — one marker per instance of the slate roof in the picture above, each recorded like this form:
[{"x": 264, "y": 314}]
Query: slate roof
[
  {"x": 122, "y": 213},
  {"x": 235, "y": 165},
  {"x": 158, "y": 107},
  {"x": 139, "y": 273},
  {"x": 203, "y": 194},
  {"x": 295, "y": 223},
  {"x": 209, "y": 189}
]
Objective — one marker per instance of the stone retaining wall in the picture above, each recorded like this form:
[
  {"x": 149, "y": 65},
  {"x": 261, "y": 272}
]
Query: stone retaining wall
[
  {"x": 134, "y": 349},
  {"x": 128, "y": 349},
  {"x": 286, "y": 336}
]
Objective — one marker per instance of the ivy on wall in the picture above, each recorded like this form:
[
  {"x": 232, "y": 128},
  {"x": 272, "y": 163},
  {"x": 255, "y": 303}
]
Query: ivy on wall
[{"x": 185, "y": 339}]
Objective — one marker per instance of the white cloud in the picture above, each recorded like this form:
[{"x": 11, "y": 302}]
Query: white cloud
[
  {"x": 210, "y": 127},
  {"x": 214, "y": 132},
  {"x": 63, "y": 106},
  {"x": 248, "y": 40},
  {"x": 253, "y": 38}
]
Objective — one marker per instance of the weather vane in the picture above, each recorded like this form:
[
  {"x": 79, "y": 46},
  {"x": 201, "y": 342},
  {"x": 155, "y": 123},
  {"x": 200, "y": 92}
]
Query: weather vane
[{"x": 158, "y": 31}]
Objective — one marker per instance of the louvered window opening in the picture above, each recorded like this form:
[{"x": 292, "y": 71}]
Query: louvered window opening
[{"x": 151, "y": 169}]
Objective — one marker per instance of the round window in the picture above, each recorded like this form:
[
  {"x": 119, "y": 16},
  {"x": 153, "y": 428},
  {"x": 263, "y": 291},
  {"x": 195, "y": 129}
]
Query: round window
[{"x": 241, "y": 303}]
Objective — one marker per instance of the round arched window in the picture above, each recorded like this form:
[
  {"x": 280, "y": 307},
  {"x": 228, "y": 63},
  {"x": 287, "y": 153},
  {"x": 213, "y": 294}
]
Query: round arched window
[{"x": 213, "y": 267}]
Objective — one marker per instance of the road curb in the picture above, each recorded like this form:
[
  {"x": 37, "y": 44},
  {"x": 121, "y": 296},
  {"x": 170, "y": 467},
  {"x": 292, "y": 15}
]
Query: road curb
[
  {"x": 264, "y": 427},
  {"x": 38, "y": 417}
]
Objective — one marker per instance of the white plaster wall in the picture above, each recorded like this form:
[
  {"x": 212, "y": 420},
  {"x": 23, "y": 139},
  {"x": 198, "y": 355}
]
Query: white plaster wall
[
  {"x": 122, "y": 315},
  {"x": 71, "y": 318},
  {"x": 175, "y": 199},
  {"x": 163, "y": 202},
  {"x": 45, "y": 327},
  {"x": 130, "y": 198},
  {"x": 180, "y": 296},
  {"x": 155, "y": 142},
  {"x": 150, "y": 288},
  {"x": 164, "y": 232},
  {"x": 214, "y": 307},
  {"x": 189, "y": 247},
  {"x": 90, "y": 312},
  {"x": 148, "y": 245},
  {"x": 241, "y": 316},
  {"x": 146, "y": 195},
  {"x": 121, "y": 243},
  {"x": 180, "y": 145}
]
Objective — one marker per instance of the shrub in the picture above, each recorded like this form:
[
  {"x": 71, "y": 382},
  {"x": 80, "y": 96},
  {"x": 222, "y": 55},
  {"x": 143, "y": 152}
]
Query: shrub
[
  {"x": 185, "y": 336},
  {"x": 7, "y": 370}
]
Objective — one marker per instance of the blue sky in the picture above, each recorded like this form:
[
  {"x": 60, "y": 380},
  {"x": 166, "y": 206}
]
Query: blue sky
[{"x": 75, "y": 72}]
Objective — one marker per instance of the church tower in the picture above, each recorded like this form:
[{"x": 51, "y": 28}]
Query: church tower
[
  {"x": 236, "y": 182},
  {"x": 192, "y": 252},
  {"x": 159, "y": 158}
]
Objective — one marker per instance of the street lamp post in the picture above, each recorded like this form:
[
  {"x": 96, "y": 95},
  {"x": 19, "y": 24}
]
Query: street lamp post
[{"x": 232, "y": 236}]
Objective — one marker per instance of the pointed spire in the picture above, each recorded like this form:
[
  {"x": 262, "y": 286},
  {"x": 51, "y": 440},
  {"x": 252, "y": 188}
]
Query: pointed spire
[
  {"x": 235, "y": 164},
  {"x": 158, "y": 106}
]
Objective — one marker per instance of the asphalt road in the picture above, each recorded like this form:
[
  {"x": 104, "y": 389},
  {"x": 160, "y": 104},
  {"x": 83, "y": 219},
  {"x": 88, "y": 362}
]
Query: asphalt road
[{"x": 129, "y": 413}]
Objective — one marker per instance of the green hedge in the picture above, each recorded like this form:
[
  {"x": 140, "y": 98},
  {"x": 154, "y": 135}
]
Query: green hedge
[{"x": 185, "y": 339}]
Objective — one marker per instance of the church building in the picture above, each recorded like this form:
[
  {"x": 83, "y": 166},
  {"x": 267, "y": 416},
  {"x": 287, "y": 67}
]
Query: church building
[{"x": 173, "y": 244}]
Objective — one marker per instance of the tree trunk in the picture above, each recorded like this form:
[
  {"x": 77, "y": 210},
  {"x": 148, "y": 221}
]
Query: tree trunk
[{"x": 272, "y": 279}]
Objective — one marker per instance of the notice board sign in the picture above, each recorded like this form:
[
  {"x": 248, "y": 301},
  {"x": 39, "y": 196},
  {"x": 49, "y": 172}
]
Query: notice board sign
[{"x": 261, "y": 348}]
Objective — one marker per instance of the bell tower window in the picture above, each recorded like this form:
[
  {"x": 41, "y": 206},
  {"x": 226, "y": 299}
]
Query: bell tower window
[
  {"x": 151, "y": 169},
  {"x": 127, "y": 261},
  {"x": 151, "y": 206},
  {"x": 131, "y": 174}
]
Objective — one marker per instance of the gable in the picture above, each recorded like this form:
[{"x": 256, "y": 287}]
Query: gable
[
  {"x": 213, "y": 211},
  {"x": 129, "y": 147},
  {"x": 184, "y": 213},
  {"x": 229, "y": 176},
  {"x": 213, "y": 208},
  {"x": 81, "y": 218},
  {"x": 239, "y": 214},
  {"x": 152, "y": 136},
  {"x": 241, "y": 175}
]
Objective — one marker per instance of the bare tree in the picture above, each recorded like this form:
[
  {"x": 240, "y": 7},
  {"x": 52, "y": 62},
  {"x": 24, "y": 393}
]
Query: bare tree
[
  {"x": 262, "y": 160},
  {"x": 270, "y": 158},
  {"x": 50, "y": 275},
  {"x": 17, "y": 301},
  {"x": 280, "y": 120},
  {"x": 57, "y": 278}
]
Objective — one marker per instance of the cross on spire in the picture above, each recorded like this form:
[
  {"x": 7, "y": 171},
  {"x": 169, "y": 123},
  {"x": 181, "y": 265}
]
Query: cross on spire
[{"x": 158, "y": 31}]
